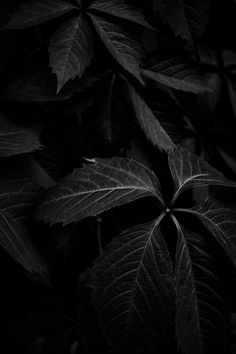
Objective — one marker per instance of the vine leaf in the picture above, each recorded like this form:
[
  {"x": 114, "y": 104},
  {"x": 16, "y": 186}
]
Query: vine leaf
[
  {"x": 185, "y": 17},
  {"x": 148, "y": 122},
  {"x": 189, "y": 171},
  {"x": 176, "y": 72},
  {"x": 17, "y": 195},
  {"x": 71, "y": 50},
  {"x": 120, "y": 9},
  {"x": 33, "y": 13},
  {"x": 133, "y": 288},
  {"x": 220, "y": 221},
  {"x": 104, "y": 184},
  {"x": 201, "y": 318},
  {"x": 122, "y": 43},
  {"x": 16, "y": 140}
]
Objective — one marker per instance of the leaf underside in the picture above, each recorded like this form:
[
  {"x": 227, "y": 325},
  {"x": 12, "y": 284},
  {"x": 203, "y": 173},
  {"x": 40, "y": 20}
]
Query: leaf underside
[
  {"x": 133, "y": 289},
  {"x": 71, "y": 50},
  {"x": 98, "y": 187}
]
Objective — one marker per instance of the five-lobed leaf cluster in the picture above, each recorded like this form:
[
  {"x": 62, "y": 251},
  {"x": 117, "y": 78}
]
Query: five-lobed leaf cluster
[{"x": 135, "y": 287}]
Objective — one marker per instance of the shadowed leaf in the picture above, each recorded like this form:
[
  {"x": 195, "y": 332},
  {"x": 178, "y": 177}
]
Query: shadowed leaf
[
  {"x": 71, "y": 50},
  {"x": 133, "y": 289}
]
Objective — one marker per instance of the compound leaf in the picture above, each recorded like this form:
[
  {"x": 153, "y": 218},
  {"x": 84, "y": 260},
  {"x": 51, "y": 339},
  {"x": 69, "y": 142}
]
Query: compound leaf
[
  {"x": 32, "y": 13},
  {"x": 133, "y": 288},
  {"x": 71, "y": 50},
  {"x": 97, "y": 187}
]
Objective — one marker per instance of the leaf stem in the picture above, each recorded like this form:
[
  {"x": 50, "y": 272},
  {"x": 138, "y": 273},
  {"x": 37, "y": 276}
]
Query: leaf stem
[{"x": 99, "y": 237}]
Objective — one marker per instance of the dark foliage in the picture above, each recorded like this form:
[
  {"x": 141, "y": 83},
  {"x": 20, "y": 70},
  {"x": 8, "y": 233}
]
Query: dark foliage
[{"x": 118, "y": 176}]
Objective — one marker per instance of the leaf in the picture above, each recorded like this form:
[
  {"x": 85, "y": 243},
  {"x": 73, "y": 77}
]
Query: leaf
[
  {"x": 120, "y": 9},
  {"x": 98, "y": 187},
  {"x": 33, "y": 13},
  {"x": 17, "y": 195},
  {"x": 148, "y": 122},
  {"x": 71, "y": 50},
  {"x": 122, "y": 43},
  {"x": 133, "y": 289},
  {"x": 176, "y": 72},
  {"x": 221, "y": 222},
  {"x": 16, "y": 140},
  {"x": 185, "y": 17},
  {"x": 202, "y": 318},
  {"x": 189, "y": 171}
]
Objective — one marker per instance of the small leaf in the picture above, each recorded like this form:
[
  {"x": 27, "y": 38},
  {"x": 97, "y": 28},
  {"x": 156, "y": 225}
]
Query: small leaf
[
  {"x": 202, "y": 318},
  {"x": 148, "y": 122},
  {"x": 16, "y": 140},
  {"x": 221, "y": 222},
  {"x": 32, "y": 13},
  {"x": 133, "y": 289},
  {"x": 17, "y": 195},
  {"x": 189, "y": 171},
  {"x": 120, "y": 9},
  {"x": 98, "y": 187},
  {"x": 176, "y": 72},
  {"x": 123, "y": 44},
  {"x": 71, "y": 50},
  {"x": 185, "y": 17}
]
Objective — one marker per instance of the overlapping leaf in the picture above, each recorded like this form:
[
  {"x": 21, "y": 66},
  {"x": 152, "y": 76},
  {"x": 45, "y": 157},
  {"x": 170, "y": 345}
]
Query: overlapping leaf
[
  {"x": 148, "y": 122},
  {"x": 185, "y": 17},
  {"x": 98, "y": 187},
  {"x": 123, "y": 44},
  {"x": 32, "y": 13},
  {"x": 189, "y": 171},
  {"x": 15, "y": 139},
  {"x": 201, "y": 319},
  {"x": 17, "y": 194},
  {"x": 120, "y": 9},
  {"x": 176, "y": 72},
  {"x": 71, "y": 50},
  {"x": 133, "y": 288}
]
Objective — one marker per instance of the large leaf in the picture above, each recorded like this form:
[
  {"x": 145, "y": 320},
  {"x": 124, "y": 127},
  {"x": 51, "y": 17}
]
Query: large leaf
[
  {"x": 190, "y": 171},
  {"x": 123, "y": 44},
  {"x": 176, "y": 72},
  {"x": 185, "y": 17},
  {"x": 71, "y": 50},
  {"x": 104, "y": 184},
  {"x": 32, "y": 13},
  {"x": 201, "y": 319},
  {"x": 17, "y": 195},
  {"x": 133, "y": 289},
  {"x": 15, "y": 139},
  {"x": 120, "y": 9},
  {"x": 221, "y": 222},
  {"x": 148, "y": 122}
]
